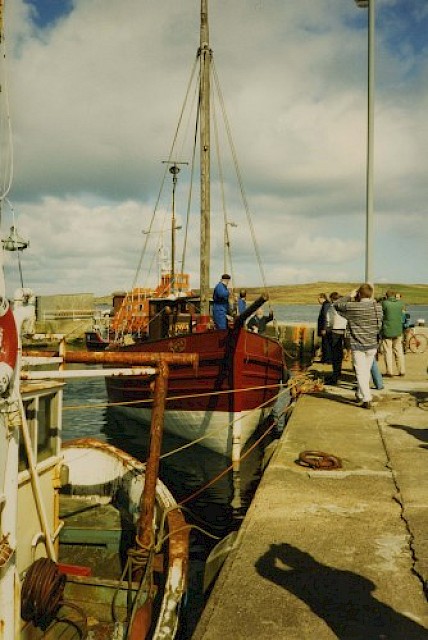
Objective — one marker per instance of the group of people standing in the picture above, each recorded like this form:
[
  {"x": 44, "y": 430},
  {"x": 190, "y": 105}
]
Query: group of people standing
[
  {"x": 355, "y": 321},
  {"x": 367, "y": 326}
]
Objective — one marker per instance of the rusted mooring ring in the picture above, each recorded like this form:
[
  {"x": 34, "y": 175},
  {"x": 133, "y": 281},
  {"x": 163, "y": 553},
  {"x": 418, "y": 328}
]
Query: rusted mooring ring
[{"x": 319, "y": 460}]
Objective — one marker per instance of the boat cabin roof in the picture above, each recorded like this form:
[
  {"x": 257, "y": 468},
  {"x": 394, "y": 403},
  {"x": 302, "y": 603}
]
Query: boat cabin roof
[{"x": 181, "y": 304}]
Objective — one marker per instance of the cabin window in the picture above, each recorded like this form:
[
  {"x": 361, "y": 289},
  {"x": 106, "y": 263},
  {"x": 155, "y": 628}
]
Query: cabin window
[
  {"x": 30, "y": 412},
  {"x": 45, "y": 428},
  {"x": 40, "y": 414}
]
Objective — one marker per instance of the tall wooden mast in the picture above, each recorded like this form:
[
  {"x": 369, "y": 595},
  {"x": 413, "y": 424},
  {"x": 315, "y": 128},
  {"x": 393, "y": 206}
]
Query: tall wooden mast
[{"x": 204, "y": 98}]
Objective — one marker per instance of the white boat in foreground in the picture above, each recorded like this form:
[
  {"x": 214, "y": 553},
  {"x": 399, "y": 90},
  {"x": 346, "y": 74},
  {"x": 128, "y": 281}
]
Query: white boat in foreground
[{"x": 92, "y": 544}]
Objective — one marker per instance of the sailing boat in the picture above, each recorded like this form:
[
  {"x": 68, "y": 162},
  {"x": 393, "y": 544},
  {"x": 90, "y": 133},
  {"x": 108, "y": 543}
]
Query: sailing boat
[{"x": 221, "y": 403}]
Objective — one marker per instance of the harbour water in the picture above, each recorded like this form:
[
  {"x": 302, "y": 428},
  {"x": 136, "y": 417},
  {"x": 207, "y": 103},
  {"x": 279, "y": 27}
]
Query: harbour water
[{"x": 309, "y": 312}]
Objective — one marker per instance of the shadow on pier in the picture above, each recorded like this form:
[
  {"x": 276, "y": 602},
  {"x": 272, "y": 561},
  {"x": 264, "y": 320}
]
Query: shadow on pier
[{"x": 342, "y": 598}]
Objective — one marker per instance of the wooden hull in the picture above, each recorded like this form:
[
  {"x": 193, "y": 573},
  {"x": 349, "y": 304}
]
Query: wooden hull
[{"x": 224, "y": 398}]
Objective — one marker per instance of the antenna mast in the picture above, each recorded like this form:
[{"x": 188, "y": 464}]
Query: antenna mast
[{"x": 204, "y": 104}]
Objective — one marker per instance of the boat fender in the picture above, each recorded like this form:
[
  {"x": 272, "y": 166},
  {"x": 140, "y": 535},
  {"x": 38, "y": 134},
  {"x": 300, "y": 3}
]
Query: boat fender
[
  {"x": 64, "y": 475},
  {"x": 8, "y": 345}
]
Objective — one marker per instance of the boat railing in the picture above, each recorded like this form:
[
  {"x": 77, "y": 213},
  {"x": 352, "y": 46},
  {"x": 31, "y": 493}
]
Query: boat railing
[
  {"x": 134, "y": 364},
  {"x": 68, "y": 314}
]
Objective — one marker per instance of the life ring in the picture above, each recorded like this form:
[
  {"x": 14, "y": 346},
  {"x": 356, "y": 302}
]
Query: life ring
[{"x": 8, "y": 344}]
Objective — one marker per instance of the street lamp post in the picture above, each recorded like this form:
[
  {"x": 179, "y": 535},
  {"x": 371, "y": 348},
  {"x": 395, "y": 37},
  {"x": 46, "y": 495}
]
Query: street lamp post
[
  {"x": 370, "y": 4},
  {"x": 174, "y": 171}
]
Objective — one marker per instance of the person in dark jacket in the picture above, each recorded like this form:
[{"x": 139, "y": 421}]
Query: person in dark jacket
[
  {"x": 221, "y": 302},
  {"x": 258, "y": 322},
  {"x": 392, "y": 333},
  {"x": 322, "y": 328},
  {"x": 336, "y": 327}
]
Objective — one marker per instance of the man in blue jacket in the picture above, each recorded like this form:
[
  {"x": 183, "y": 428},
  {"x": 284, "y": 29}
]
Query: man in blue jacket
[
  {"x": 242, "y": 301},
  {"x": 221, "y": 302}
]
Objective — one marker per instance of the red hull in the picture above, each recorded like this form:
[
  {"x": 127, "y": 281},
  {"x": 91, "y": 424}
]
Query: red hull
[{"x": 228, "y": 361}]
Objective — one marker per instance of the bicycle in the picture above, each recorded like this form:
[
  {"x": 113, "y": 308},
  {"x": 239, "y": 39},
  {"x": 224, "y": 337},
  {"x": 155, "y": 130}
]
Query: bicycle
[{"x": 414, "y": 342}]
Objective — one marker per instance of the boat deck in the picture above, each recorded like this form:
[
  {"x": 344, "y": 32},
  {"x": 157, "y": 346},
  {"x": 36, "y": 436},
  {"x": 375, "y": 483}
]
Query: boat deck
[
  {"x": 93, "y": 545},
  {"x": 92, "y": 535},
  {"x": 73, "y": 629}
]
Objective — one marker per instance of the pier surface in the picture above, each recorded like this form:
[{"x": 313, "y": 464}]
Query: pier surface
[{"x": 341, "y": 553}]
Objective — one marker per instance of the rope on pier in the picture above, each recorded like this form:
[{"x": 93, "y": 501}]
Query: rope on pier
[{"x": 319, "y": 460}]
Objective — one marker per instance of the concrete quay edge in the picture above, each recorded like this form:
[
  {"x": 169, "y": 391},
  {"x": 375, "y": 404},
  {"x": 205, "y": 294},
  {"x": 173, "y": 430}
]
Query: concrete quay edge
[{"x": 336, "y": 554}]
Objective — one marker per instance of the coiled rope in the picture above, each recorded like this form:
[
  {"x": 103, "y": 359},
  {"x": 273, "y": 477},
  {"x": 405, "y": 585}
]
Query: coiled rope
[
  {"x": 319, "y": 460},
  {"x": 42, "y": 592},
  {"x": 139, "y": 561},
  {"x": 42, "y": 596}
]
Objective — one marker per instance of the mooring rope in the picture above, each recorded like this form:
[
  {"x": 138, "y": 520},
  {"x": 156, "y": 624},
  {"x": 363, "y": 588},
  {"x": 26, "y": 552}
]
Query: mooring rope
[
  {"x": 139, "y": 559},
  {"x": 165, "y": 172},
  {"x": 228, "y": 468},
  {"x": 294, "y": 382},
  {"x": 300, "y": 384},
  {"x": 195, "y": 494},
  {"x": 126, "y": 403}
]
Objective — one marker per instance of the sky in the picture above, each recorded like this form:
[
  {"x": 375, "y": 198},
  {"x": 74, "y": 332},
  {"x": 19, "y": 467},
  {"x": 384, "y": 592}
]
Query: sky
[{"x": 95, "y": 88}]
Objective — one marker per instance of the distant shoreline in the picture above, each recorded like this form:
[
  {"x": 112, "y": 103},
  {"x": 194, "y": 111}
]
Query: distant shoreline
[{"x": 308, "y": 293}]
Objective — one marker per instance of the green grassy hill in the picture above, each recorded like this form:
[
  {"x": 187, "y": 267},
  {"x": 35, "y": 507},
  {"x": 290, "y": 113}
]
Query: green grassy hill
[{"x": 308, "y": 293}]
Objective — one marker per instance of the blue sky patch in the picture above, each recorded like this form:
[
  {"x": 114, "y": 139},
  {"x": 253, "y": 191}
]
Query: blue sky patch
[{"x": 47, "y": 12}]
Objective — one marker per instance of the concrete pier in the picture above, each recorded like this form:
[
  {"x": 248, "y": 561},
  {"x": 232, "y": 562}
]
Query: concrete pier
[{"x": 341, "y": 553}]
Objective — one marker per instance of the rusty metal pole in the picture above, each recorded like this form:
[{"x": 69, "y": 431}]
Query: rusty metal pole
[
  {"x": 147, "y": 504},
  {"x": 142, "y": 612},
  {"x": 129, "y": 357}
]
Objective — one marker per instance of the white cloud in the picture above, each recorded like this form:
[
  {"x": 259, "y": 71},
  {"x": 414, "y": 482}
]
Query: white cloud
[
  {"x": 326, "y": 250},
  {"x": 95, "y": 99}
]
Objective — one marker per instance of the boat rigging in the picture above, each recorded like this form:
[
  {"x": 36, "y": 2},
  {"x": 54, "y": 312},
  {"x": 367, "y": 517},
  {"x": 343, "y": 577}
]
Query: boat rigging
[{"x": 239, "y": 372}]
